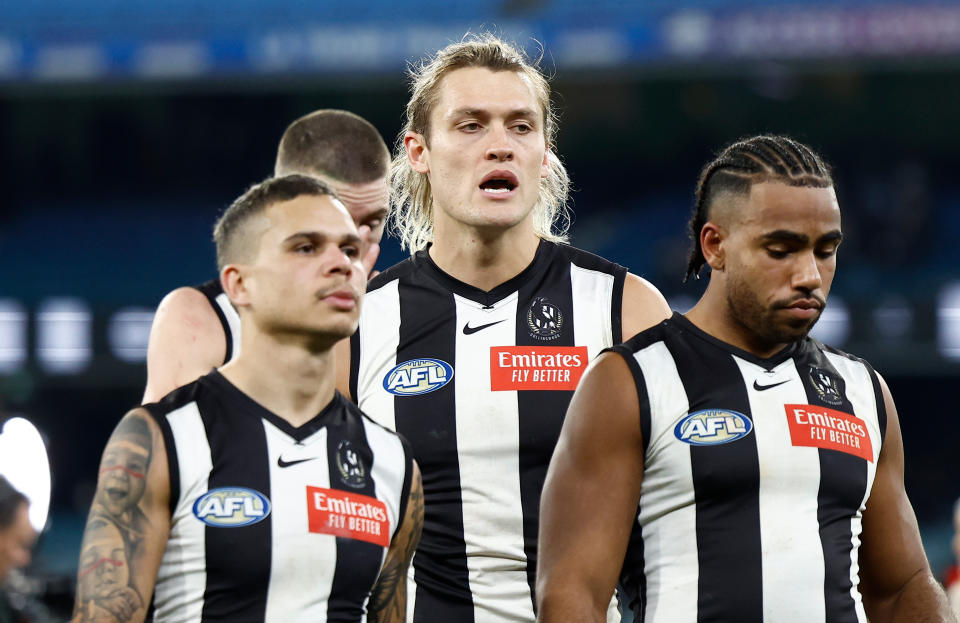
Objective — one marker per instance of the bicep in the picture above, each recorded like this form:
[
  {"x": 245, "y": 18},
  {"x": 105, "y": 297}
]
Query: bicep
[
  {"x": 891, "y": 552},
  {"x": 593, "y": 486},
  {"x": 643, "y": 306},
  {"x": 128, "y": 524},
  {"x": 186, "y": 341}
]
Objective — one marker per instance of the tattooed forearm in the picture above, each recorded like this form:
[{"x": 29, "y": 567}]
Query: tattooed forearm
[
  {"x": 388, "y": 601},
  {"x": 112, "y": 546}
]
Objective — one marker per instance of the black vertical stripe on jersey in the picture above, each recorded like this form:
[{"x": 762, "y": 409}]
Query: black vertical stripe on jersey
[
  {"x": 843, "y": 483},
  {"x": 238, "y": 559},
  {"x": 726, "y": 481},
  {"x": 541, "y": 413},
  {"x": 358, "y": 562},
  {"x": 428, "y": 324}
]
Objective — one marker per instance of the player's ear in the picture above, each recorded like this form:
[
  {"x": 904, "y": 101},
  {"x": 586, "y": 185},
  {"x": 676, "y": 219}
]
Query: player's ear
[
  {"x": 231, "y": 280},
  {"x": 712, "y": 237},
  {"x": 416, "y": 146},
  {"x": 548, "y": 155}
]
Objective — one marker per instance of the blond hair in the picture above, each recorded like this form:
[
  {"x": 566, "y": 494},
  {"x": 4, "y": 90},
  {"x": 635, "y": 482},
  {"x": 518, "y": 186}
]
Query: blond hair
[{"x": 411, "y": 199}]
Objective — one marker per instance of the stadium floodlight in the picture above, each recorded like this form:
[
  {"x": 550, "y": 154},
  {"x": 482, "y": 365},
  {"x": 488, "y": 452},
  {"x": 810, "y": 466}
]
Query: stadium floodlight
[{"x": 24, "y": 463}]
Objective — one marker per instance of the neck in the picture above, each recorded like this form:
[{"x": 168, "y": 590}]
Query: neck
[
  {"x": 484, "y": 259},
  {"x": 289, "y": 376},
  {"x": 712, "y": 315}
]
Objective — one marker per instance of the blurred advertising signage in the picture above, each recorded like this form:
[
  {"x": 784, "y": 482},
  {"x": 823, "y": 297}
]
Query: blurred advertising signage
[{"x": 815, "y": 31}]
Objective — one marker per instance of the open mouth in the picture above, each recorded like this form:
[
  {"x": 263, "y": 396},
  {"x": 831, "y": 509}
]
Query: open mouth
[{"x": 499, "y": 183}]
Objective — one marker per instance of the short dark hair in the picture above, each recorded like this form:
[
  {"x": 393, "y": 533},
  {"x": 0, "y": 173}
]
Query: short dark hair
[
  {"x": 335, "y": 144},
  {"x": 226, "y": 232},
  {"x": 10, "y": 501},
  {"x": 744, "y": 163}
]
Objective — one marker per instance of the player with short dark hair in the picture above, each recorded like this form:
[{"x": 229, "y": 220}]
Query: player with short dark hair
[
  {"x": 196, "y": 328},
  {"x": 471, "y": 348},
  {"x": 258, "y": 492},
  {"x": 755, "y": 473}
]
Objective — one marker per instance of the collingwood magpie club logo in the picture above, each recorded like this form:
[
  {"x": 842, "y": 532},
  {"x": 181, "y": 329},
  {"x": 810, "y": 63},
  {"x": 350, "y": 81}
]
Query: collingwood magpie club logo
[
  {"x": 544, "y": 319},
  {"x": 350, "y": 465},
  {"x": 827, "y": 385}
]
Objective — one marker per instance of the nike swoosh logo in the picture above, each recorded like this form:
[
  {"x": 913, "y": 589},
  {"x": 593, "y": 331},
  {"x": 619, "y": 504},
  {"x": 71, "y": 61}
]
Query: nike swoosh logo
[
  {"x": 468, "y": 330},
  {"x": 760, "y": 388},
  {"x": 282, "y": 463}
]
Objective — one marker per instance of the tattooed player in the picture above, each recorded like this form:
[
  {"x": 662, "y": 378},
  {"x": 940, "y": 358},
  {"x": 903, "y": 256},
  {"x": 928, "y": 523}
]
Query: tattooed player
[{"x": 258, "y": 493}]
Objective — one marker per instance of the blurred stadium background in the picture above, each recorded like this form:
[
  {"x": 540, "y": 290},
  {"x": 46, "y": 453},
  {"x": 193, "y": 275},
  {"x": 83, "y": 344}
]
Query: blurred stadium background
[{"x": 126, "y": 126}]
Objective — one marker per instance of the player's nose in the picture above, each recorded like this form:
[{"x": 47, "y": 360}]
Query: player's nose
[
  {"x": 806, "y": 274},
  {"x": 499, "y": 148}
]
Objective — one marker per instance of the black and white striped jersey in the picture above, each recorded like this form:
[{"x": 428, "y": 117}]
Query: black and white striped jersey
[
  {"x": 756, "y": 476},
  {"x": 478, "y": 383},
  {"x": 271, "y": 523},
  {"x": 226, "y": 313}
]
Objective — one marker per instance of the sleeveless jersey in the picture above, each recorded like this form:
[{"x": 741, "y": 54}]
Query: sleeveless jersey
[
  {"x": 226, "y": 313},
  {"x": 271, "y": 523},
  {"x": 479, "y": 382},
  {"x": 756, "y": 476}
]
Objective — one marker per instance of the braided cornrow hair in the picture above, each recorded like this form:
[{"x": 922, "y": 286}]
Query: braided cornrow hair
[{"x": 745, "y": 163}]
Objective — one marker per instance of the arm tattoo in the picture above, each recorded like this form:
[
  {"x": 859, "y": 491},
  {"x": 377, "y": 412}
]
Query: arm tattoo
[
  {"x": 388, "y": 600},
  {"x": 112, "y": 545}
]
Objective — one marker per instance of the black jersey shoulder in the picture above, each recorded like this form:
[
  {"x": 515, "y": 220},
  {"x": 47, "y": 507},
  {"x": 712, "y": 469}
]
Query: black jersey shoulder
[
  {"x": 393, "y": 273},
  {"x": 590, "y": 261}
]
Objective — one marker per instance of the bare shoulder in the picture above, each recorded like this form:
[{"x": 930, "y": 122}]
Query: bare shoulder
[
  {"x": 186, "y": 341},
  {"x": 643, "y": 305}
]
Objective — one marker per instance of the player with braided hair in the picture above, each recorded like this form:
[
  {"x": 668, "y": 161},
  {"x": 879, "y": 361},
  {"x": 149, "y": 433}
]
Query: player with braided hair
[{"x": 743, "y": 470}]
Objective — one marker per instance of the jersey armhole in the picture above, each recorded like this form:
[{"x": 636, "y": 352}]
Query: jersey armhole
[
  {"x": 173, "y": 465},
  {"x": 354, "y": 365},
  {"x": 407, "y": 483},
  {"x": 616, "y": 311},
  {"x": 881, "y": 404},
  {"x": 640, "y": 384}
]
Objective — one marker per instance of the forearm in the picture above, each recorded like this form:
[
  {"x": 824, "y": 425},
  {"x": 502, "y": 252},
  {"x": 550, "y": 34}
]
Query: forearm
[
  {"x": 569, "y": 604},
  {"x": 921, "y": 600}
]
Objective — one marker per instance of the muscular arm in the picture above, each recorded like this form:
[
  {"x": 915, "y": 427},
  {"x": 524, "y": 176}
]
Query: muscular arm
[
  {"x": 643, "y": 306},
  {"x": 127, "y": 528},
  {"x": 388, "y": 601},
  {"x": 186, "y": 342},
  {"x": 590, "y": 498},
  {"x": 896, "y": 581}
]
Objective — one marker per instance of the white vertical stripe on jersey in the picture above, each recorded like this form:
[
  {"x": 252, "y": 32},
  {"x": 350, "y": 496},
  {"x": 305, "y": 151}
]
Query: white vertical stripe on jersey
[
  {"x": 379, "y": 338},
  {"x": 490, "y": 469},
  {"x": 789, "y": 484},
  {"x": 233, "y": 320},
  {"x": 671, "y": 564},
  {"x": 299, "y": 586},
  {"x": 181, "y": 580},
  {"x": 860, "y": 393},
  {"x": 387, "y": 452},
  {"x": 592, "y": 298}
]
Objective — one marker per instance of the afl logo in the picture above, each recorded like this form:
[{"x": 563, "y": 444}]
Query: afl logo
[
  {"x": 418, "y": 376},
  {"x": 231, "y": 507},
  {"x": 544, "y": 319},
  {"x": 712, "y": 427}
]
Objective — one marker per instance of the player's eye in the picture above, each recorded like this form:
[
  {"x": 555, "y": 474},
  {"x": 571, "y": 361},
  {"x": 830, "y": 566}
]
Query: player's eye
[
  {"x": 470, "y": 126},
  {"x": 827, "y": 252},
  {"x": 777, "y": 253},
  {"x": 304, "y": 249},
  {"x": 523, "y": 128},
  {"x": 351, "y": 251}
]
